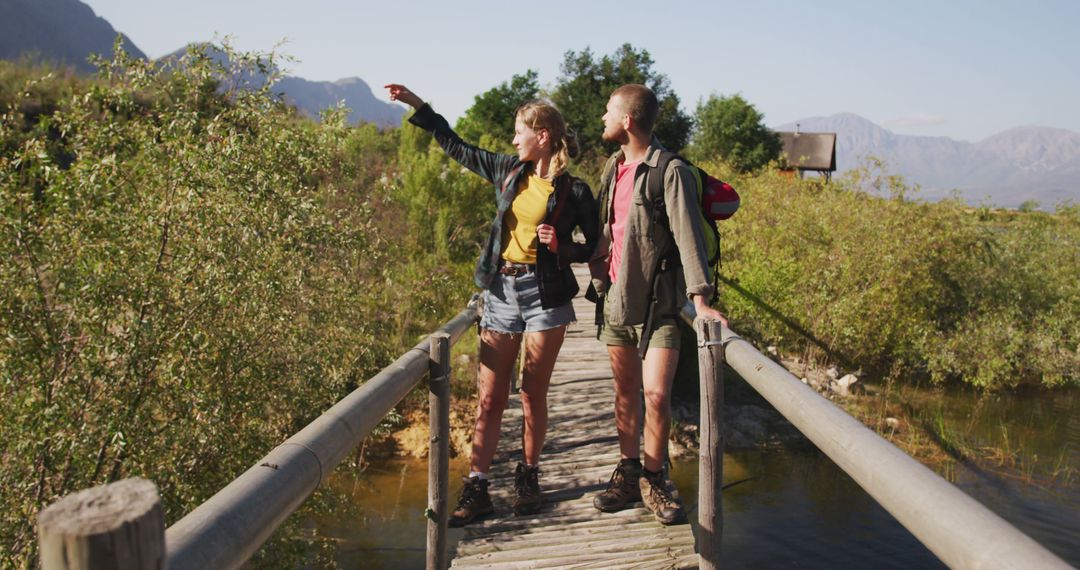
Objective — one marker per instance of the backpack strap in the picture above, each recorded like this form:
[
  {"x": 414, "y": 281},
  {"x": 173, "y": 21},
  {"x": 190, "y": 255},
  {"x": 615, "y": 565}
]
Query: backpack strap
[
  {"x": 510, "y": 177},
  {"x": 561, "y": 198},
  {"x": 606, "y": 180},
  {"x": 654, "y": 191}
]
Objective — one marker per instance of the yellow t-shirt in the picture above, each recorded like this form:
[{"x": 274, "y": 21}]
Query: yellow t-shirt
[{"x": 526, "y": 212}]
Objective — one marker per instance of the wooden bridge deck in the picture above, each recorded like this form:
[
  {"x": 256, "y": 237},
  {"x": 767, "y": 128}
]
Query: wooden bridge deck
[{"x": 580, "y": 453}]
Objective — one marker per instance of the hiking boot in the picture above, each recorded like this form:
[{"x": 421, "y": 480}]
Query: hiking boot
[
  {"x": 666, "y": 508},
  {"x": 473, "y": 504},
  {"x": 622, "y": 488},
  {"x": 527, "y": 487}
]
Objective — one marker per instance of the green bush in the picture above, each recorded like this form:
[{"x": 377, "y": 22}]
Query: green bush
[
  {"x": 189, "y": 275},
  {"x": 857, "y": 272},
  {"x": 449, "y": 208}
]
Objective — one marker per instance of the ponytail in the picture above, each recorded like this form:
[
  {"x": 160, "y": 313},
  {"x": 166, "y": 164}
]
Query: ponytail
[{"x": 539, "y": 115}]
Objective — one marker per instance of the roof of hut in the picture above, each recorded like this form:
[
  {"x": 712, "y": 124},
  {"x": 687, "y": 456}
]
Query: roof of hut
[{"x": 809, "y": 151}]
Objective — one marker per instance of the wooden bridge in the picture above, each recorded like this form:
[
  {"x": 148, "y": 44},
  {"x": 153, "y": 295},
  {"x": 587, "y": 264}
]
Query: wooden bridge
[
  {"x": 122, "y": 525},
  {"x": 579, "y": 455}
]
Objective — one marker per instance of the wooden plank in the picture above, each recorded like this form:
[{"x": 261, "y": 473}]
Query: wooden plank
[
  {"x": 569, "y": 538},
  {"x": 570, "y": 529},
  {"x": 610, "y": 550},
  {"x": 579, "y": 455}
]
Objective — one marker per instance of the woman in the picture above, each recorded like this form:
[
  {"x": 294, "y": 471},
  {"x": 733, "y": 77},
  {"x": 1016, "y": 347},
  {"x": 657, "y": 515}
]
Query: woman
[{"x": 525, "y": 272}]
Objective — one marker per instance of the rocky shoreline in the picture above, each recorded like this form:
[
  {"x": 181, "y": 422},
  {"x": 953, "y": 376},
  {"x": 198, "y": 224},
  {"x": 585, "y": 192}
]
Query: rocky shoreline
[{"x": 750, "y": 422}]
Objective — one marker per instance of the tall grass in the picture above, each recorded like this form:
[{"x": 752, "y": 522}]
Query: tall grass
[{"x": 860, "y": 271}]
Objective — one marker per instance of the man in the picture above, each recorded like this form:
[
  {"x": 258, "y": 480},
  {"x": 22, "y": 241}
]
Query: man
[{"x": 651, "y": 254}]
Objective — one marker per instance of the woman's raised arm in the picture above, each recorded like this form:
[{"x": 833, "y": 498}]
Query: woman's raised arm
[
  {"x": 401, "y": 93},
  {"x": 492, "y": 166}
]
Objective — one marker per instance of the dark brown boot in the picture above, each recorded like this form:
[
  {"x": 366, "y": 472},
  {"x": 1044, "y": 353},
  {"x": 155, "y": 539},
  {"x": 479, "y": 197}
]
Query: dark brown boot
[
  {"x": 654, "y": 492},
  {"x": 527, "y": 488},
  {"x": 622, "y": 488},
  {"x": 473, "y": 504}
]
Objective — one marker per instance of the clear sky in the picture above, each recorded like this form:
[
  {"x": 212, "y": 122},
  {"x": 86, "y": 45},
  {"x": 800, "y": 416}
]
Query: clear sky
[{"x": 966, "y": 69}]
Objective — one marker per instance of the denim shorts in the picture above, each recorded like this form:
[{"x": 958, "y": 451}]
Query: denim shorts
[{"x": 512, "y": 305}]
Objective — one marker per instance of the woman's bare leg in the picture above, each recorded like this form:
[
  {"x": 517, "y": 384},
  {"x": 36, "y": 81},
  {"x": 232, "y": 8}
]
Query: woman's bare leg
[
  {"x": 541, "y": 350},
  {"x": 498, "y": 351}
]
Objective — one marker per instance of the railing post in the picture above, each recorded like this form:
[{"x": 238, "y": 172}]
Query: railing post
[
  {"x": 111, "y": 527},
  {"x": 711, "y": 458},
  {"x": 439, "y": 452}
]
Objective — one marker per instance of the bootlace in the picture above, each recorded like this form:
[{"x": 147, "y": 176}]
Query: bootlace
[
  {"x": 618, "y": 477},
  {"x": 470, "y": 492},
  {"x": 526, "y": 479},
  {"x": 659, "y": 493}
]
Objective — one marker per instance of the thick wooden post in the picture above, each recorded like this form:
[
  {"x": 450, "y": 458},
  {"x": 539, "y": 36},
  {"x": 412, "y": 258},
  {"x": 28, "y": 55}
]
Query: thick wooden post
[
  {"x": 439, "y": 452},
  {"x": 711, "y": 459},
  {"x": 116, "y": 526}
]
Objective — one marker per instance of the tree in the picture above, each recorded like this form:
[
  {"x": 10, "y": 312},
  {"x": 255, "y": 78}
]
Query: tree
[
  {"x": 582, "y": 92},
  {"x": 731, "y": 128},
  {"x": 493, "y": 111},
  {"x": 1029, "y": 206}
]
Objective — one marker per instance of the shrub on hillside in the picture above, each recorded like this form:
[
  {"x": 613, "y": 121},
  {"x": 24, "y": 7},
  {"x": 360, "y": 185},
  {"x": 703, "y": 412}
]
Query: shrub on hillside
[
  {"x": 189, "y": 274},
  {"x": 877, "y": 279}
]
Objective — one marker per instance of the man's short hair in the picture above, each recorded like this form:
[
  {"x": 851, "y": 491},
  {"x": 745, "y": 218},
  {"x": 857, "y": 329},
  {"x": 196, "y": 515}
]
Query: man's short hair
[{"x": 640, "y": 103}]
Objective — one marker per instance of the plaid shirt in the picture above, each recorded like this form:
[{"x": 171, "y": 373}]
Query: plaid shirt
[{"x": 505, "y": 172}]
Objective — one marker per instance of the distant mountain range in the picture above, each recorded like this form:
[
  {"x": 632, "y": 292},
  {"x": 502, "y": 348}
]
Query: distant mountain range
[
  {"x": 59, "y": 31},
  {"x": 1006, "y": 169},
  {"x": 314, "y": 96},
  {"x": 68, "y": 31},
  {"x": 311, "y": 97}
]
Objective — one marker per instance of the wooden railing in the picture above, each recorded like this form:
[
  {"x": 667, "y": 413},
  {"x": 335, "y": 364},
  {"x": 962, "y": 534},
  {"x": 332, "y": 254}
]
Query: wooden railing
[
  {"x": 121, "y": 525},
  {"x": 956, "y": 528}
]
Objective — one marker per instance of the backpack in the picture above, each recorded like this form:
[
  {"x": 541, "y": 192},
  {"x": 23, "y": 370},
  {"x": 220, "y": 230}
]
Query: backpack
[{"x": 717, "y": 199}]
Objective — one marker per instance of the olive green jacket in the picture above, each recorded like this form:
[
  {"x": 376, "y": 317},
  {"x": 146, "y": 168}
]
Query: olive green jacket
[{"x": 647, "y": 243}]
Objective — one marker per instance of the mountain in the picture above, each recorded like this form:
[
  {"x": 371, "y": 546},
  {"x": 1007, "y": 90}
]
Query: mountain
[
  {"x": 311, "y": 97},
  {"x": 1006, "y": 169},
  {"x": 63, "y": 31},
  {"x": 314, "y": 96},
  {"x": 68, "y": 31}
]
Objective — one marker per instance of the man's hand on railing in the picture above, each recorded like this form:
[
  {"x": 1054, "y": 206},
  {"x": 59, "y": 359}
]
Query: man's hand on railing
[{"x": 704, "y": 311}]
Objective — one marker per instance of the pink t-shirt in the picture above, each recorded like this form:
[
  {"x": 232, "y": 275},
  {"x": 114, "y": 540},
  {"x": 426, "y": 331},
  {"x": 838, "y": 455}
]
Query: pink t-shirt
[{"x": 620, "y": 212}]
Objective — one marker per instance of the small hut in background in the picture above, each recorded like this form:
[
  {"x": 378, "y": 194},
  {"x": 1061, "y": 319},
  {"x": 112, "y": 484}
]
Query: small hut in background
[{"x": 815, "y": 152}]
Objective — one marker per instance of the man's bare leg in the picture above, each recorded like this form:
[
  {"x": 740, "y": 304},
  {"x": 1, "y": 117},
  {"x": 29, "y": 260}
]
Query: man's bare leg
[
  {"x": 657, "y": 379},
  {"x": 626, "y": 370}
]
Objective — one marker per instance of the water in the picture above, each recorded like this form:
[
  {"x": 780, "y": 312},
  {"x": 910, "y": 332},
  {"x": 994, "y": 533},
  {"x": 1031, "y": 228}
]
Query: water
[
  {"x": 797, "y": 509},
  {"x": 1027, "y": 447},
  {"x": 386, "y": 528}
]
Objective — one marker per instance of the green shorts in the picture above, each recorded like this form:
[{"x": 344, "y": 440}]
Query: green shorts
[{"x": 665, "y": 335}]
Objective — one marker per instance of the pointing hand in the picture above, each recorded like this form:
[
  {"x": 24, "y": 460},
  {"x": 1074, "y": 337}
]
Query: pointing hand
[{"x": 402, "y": 93}]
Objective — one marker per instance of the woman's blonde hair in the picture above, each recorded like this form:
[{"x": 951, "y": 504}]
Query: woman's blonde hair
[{"x": 539, "y": 115}]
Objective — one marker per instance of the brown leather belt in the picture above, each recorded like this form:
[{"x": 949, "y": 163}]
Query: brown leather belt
[{"x": 516, "y": 269}]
